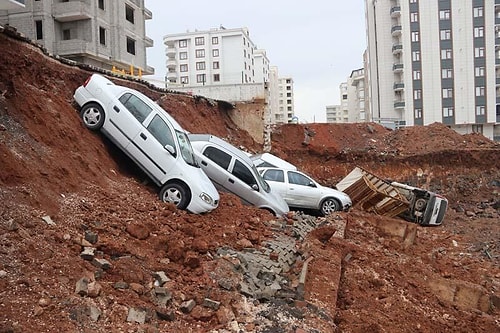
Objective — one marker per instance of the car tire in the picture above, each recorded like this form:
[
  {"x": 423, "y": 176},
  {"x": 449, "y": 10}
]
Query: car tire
[
  {"x": 176, "y": 193},
  {"x": 328, "y": 206},
  {"x": 92, "y": 115}
]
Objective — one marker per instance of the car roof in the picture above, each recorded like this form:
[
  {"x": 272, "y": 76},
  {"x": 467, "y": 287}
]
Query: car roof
[
  {"x": 119, "y": 89},
  {"x": 223, "y": 144},
  {"x": 270, "y": 160}
]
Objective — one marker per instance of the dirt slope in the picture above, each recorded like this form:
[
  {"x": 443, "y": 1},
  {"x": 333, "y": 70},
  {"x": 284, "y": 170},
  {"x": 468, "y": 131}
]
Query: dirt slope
[{"x": 51, "y": 166}]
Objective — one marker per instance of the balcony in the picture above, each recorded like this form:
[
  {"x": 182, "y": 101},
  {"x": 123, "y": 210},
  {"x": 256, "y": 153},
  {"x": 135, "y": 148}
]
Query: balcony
[
  {"x": 148, "y": 42},
  {"x": 71, "y": 11},
  {"x": 398, "y": 86},
  {"x": 396, "y": 30},
  {"x": 73, "y": 47},
  {"x": 399, "y": 105},
  {"x": 171, "y": 63},
  {"x": 397, "y": 48},
  {"x": 497, "y": 40},
  {"x": 396, "y": 11},
  {"x": 397, "y": 68},
  {"x": 12, "y": 4},
  {"x": 172, "y": 75},
  {"x": 171, "y": 52},
  {"x": 148, "y": 15},
  {"x": 497, "y": 62}
]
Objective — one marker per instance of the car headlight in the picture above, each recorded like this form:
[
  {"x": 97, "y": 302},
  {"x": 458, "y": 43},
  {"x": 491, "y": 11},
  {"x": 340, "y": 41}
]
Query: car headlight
[{"x": 208, "y": 199}]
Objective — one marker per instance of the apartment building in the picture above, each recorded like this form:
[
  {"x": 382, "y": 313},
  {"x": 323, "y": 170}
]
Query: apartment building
[
  {"x": 435, "y": 61},
  {"x": 217, "y": 56},
  {"x": 286, "y": 99},
  {"x": 103, "y": 33},
  {"x": 333, "y": 114}
]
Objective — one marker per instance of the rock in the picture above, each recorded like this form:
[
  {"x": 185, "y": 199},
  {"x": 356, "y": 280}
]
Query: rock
[
  {"x": 138, "y": 231},
  {"x": 101, "y": 263},
  {"x": 88, "y": 253},
  {"x": 225, "y": 315},
  {"x": 244, "y": 243},
  {"x": 3, "y": 274},
  {"x": 187, "y": 306},
  {"x": 91, "y": 237},
  {"x": 82, "y": 287},
  {"x": 192, "y": 260},
  {"x": 161, "y": 277},
  {"x": 136, "y": 316},
  {"x": 94, "y": 314},
  {"x": 121, "y": 285},
  {"x": 44, "y": 302},
  {"x": 94, "y": 289},
  {"x": 208, "y": 303},
  {"x": 138, "y": 288},
  {"x": 163, "y": 314},
  {"x": 12, "y": 225},
  {"x": 48, "y": 220}
]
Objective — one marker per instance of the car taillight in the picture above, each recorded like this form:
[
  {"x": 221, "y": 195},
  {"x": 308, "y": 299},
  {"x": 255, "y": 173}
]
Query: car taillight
[{"x": 87, "y": 81}]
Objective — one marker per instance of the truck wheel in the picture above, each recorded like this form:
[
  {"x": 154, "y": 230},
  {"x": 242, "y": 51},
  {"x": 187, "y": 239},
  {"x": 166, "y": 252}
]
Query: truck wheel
[
  {"x": 176, "y": 193},
  {"x": 420, "y": 204},
  {"x": 328, "y": 206},
  {"x": 92, "y": 115}
]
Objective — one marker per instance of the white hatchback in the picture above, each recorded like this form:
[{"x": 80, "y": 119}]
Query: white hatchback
[
  {"x": 301, "y": 191},
  {"x": 151, "y": 138}
]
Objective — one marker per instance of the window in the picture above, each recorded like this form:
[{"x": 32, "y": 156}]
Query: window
[
  {"x": 418, "y": 113},
  {"x": 446, "y": 73},
  {"x": 129, "y": 14},
  {"x": 415, "y": 36},
  {"x": 215, "y": 40},
  {"x": 274, "y": 175},
  {"x": 200, "y": 53},
  {"x": 414, "y": 17},
  {"x": 39, "y": 29},
  {"x": 478, "y": 12},
  {"x": 201, "y": 78},
  {"x": 216, "y": 77},
  {"x": 160, "y": 130},
  {"x": 215, "y": 53},
  {"x": 415, "y": 55},
  {"x": 479, "y": 71},
  {"x": 479, "y": 32},
  {"x": 135, "y": 106},
  {"x": 215, "y": 65},
  {"x": 200, "y": 65},
  {"x": 448, "y": 112},
  {"x": 480, "y": 91},
  {"x": 479, "y": 52},
  {"x": 130, "y": 45},
  {"x": 417, "y": 94},
  {"x": 183, "y": 43},
  {"x": 413, "y": 1},
  {"x": 101, "y": 4},
  {"x": 480, "y": 110},
  {"x": 416, "y": 75},
  {"x": 444, "y": 14},
  {"x": 221, "y": 158},
  {"x": 66, "y": 34},
  {"x": 102, "y": 36},
  {"x": 184, "y": 80},
  {"x": 199, "y": 41},
  {"x": 183, "y": 55},
  {"x": 243, "y": 173},
  {"x": 448, "y": 93},
  {"x": 446, "y": 54},
  {"x": 298, "y": 179},
  {"x": 477, "y": 129},
  {"x": 445, "y": 34},
  {"x": 183, "y": 67}
]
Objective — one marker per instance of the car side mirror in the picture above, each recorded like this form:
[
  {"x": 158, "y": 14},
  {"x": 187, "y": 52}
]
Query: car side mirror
[
  {"x": 255, "y": 187},
  {"x": 170, "y": 149},
  {"x": 311, "y": 184}
]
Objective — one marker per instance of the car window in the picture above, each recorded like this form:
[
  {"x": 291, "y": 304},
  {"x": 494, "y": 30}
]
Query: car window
[
  {"x": 137, "y": 107},
  {"x": 274, "y": 175},
  {"x": 186, "y": 148},
  {"x": 218, "y": 156},
  {"x": 298, "y": 179},
  {"x": 160, "y": 130},
  {"x": 243, "y": 173}
]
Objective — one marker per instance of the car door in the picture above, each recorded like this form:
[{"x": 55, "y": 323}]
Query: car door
[
  {"x": 302, "y": 190},
  {"x": 124, "y": 124},
  {"x": 148, "y": 147},
  {"x": 242, "y": 182},
  {"x": 215, "y": 164},
  {"x": 276, "y": 179}
]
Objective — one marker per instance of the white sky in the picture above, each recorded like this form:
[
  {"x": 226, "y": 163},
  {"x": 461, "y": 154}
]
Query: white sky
[{"x": 317, "y": 43}]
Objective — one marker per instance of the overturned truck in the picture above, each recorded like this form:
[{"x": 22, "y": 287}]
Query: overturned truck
[{"x": 373, "y": 194}]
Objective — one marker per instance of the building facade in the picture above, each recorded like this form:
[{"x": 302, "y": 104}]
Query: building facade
[
  {"x": 435, "y": 61},
  {"x": 217, "y": 56},
  {"x": 333, "y": 114},
  {"x": 11, "y": 4},
  {"x": 286, "y": 99},
  {"x": 102, "y": 33}
]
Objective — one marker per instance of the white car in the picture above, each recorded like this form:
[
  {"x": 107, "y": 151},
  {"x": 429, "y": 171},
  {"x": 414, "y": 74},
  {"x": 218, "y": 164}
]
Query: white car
[
  {"x": 151, "y": 138},
  {"x": 301, "y": 191},
  {"x": 231, "y": 170}
]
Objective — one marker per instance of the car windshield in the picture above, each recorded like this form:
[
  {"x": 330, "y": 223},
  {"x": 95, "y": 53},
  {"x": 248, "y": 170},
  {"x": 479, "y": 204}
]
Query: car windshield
[
  {"x": 186, "y": 148},
  {"x": 261, "y": 180}
]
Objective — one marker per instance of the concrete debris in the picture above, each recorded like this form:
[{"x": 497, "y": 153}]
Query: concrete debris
[
  {"x": 136, "y": 316},
  {"x": 47, "y": 219},
  {"x": 187, "y": 306},
  {"x": 82, "y": 287}
]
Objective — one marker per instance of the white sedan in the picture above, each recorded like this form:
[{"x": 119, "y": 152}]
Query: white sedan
[{"x": 301, "y": 191}]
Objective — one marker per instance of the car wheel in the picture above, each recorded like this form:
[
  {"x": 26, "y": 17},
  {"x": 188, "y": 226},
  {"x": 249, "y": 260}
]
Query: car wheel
[
  {"x": 328, "y": 206},
  {"x": 175, "y": 193},
  {"x": 92, "y": 115}
]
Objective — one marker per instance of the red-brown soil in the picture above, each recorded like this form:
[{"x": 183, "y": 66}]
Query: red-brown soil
[{"x": 50, "y": 165}]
